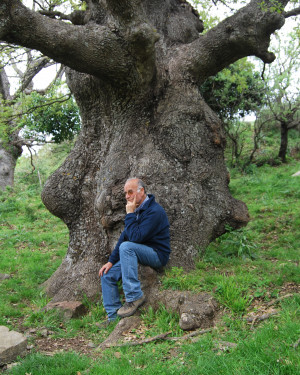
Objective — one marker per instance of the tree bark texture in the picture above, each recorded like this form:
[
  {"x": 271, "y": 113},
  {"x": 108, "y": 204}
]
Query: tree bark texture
[
  {"x": 283, "y": 141},
  {"x": 10, "y": 150},
  {"x": 134, "y": 69}
]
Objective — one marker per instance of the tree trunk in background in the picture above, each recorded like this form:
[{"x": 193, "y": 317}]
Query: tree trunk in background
[
  {"x": 8, "y": 159},
  {"x": 7, "y": 168},
  {"x": 283, "y": 141}
]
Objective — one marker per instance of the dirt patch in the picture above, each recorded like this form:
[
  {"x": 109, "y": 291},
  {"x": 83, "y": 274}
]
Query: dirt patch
[{"x": 51, "y": 346}]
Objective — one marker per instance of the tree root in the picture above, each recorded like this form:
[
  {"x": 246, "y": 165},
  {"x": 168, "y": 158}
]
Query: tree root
[{"x": 162, "y": 336}]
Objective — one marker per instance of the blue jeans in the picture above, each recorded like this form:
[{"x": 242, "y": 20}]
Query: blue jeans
[{"x": 126, "y": 268}]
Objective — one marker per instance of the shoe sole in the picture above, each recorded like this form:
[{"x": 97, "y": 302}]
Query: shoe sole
[{"x": 126, "y": 315}]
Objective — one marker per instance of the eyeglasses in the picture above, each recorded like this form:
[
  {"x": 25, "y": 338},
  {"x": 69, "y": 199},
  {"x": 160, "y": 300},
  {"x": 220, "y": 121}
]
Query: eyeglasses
[{"x": 131, "y": 192}]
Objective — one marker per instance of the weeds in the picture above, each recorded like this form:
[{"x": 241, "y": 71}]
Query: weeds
[
  {"x": 229, "y": 293},
  {"x": 235, "y": 243}
]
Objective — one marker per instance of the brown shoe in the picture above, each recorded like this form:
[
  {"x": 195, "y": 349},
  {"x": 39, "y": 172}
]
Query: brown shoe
[{"x": 129, "y": 308}]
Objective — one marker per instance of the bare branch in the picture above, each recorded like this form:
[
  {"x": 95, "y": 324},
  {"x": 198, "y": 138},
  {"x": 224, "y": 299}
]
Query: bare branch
[
  {"x": 15, "y": 67},
  {"x": 18, "y": 114},
  {"x": 291, "y": 13},
  {"x": 58, "y": 76},
  {"x": 38, "y": 4},
  {"x": 32, "y": 70}
]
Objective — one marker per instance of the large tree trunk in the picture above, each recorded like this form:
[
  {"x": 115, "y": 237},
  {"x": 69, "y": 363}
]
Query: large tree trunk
[
  {"x": 174, "y": 143},
  {"x": 137, "y": 66}
]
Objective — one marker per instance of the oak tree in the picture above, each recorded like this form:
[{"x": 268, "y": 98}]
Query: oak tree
[{"x": 135, "y": 67}]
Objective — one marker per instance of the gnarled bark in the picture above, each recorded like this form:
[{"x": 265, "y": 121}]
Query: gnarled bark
[{"x": 135, "y": 70}]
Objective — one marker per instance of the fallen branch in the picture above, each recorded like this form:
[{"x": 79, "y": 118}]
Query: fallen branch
[
  {"x": 260, "y": 318},
  {"x": 257, "y": 318},
  {"x": 271, "y": 303},
  {"x": 192, "y": 334},
  {"x": 163, "y": 336}
]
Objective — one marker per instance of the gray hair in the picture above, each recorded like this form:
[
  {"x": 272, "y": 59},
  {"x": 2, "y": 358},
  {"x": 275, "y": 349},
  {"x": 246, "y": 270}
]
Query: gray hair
[{"x": 140, "y": 183}]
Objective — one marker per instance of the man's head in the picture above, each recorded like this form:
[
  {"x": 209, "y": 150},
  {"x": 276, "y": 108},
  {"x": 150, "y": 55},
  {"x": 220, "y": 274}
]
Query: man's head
[{"x": 135, "y": 188}]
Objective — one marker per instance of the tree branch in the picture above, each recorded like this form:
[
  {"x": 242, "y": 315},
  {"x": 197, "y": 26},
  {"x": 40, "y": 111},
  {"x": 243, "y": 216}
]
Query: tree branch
[
  {"x": 33, "y": 68},
  {"x": 245, "y": 33},
  {"x": 93, "y": 49},
  {"x": 291, "y": 13},
  {"x": 76, "y": 17},
  {"x": 58, "y": 76},
  {"x": 62, "y": 99}
]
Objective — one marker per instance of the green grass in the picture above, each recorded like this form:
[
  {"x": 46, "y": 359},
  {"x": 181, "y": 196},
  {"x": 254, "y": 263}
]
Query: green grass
[
  {"x": 243, "y": 269},
  {"x": 59, "y": 364}
]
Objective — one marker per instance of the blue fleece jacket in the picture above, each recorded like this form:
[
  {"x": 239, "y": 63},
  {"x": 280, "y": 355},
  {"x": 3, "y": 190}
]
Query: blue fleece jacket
[{"x": 150, "y": 227}]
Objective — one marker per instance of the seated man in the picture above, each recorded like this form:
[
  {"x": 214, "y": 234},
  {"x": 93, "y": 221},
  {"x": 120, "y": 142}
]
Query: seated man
[{"x": 145, "y": 240}]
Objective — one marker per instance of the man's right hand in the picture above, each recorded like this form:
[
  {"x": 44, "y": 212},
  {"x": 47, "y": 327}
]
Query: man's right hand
[{"x": 105, "y": 268}]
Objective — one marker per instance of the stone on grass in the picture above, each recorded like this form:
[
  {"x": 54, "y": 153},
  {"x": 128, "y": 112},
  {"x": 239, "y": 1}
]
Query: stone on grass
[
  {"x": 196, "y": 310},
  {"x": 69, "y": 309},
  {"x": 4, "y": 276},
  {"x": 12, "y": 345},
  {"x": 296, "y": 174}
]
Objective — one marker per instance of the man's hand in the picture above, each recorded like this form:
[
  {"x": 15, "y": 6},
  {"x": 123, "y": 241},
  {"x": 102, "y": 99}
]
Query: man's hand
[
  {"x": 131, "y": 206},
  {"x": 105, "y": 268}
]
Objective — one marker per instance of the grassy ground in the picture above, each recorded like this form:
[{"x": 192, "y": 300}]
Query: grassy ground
[{"x": 251, "y": 272}]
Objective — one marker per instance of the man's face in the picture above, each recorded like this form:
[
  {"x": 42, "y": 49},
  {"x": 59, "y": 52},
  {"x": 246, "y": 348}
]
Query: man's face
[{"x": 131, "y": 192}]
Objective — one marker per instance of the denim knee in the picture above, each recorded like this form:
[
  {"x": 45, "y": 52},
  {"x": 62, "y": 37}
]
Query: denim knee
[{"x": 125, "y": 246}]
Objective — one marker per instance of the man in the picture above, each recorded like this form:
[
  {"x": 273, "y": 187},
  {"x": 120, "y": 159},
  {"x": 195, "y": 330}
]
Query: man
[{"x": 145, "y": 240}]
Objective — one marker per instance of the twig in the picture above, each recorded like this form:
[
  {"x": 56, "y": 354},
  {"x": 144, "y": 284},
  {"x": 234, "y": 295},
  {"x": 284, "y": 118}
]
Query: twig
[
  {"x": 31, "y": 162},
  {"x": 164, "y": 336},
  {"x": 271, "y": 303},
  {"x": 260, "y": 318},
  {"x": 296, "y": 344},
  {"x": 254, "y": 319},
  {"x": 192, "y": 334}
]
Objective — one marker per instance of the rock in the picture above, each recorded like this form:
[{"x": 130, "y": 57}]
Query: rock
[
  {"x": 195, "y": 310},
  {"x": 4, "y": 276},
  {"x": 12, "y": 345},
  {"x": 69, "y": 309},
  {"x": 296, "y": 174},
  {"x": 44, "y": 332}
]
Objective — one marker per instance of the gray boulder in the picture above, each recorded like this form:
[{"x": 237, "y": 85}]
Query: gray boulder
[{"x": 12, "y": 345}]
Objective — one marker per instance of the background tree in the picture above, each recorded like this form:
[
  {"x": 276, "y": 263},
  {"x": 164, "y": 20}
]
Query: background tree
[
  {"x": 233, "y": 93},
  {"x": 27, "y": 107},
  {"x": 135, "y": 68},
  {"x": 282, "y": 83}
]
